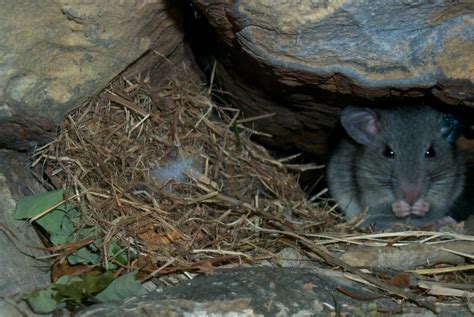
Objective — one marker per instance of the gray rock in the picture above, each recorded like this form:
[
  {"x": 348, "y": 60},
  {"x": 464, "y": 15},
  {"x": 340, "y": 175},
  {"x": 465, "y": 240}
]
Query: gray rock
[
  {"x": 370, "y": 48},
  {"x": 16, "y": 308},
  {"x": 21, "y": 272},
  {"x": 261, "y": 291}
]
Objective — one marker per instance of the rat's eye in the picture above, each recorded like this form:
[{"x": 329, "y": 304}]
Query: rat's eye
[
  {"x": 430, "y": 152},
  {"x": 388, "y": 152}
]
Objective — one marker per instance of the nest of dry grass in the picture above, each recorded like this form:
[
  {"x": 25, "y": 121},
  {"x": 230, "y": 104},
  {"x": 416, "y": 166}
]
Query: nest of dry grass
[{"x": 113, "y": 151}]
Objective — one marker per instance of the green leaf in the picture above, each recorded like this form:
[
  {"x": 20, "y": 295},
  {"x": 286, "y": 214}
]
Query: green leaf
[
  {"x": 52, "y": 222},
  {"x": 77, "y": 289},
  {"x": 88, "y": 232},
  {"x": 58, "y": 239},
  {"x": 43, "y": 301},
  {"x": 31, "y": 206},
  {"x": 65, "y": 279},
  {"x": 122, "y": 258},
  {"x": 121, "y": 288},
  {"x": 116, "y": 254},
  {"x": 95, "y": 283},
  {"x": 61, "y": 224},
  {"x": 59, "y": 221},
  {"x": 83, "y": 256},
  {"x": 65, "y": 292}
]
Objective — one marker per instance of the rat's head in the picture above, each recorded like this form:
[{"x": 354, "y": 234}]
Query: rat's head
[{"x": 404, "y": 153}]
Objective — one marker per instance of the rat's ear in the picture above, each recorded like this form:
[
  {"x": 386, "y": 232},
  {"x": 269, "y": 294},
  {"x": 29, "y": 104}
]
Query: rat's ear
[
  {"x": 451, "y": 127},
  {"x": 360, "y": 123}
]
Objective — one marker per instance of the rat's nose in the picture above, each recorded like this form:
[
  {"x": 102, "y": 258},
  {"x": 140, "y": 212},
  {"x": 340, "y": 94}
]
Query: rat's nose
[{"x": 410, "y": 192}]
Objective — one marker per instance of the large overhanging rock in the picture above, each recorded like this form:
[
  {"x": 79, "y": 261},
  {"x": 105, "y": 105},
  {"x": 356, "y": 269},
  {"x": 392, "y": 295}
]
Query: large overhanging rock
[
  {"x": 370, "y": 48},
  {"x": 56, "y": 54},
  {"x": 363, "y": 49}
]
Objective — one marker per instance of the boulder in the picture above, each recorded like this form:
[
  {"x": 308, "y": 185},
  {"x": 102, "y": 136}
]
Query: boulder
[
  {"x": 265, "y": 291},
  {"x": 19, "y": 244},
  {"x": 56, "y": 54}
]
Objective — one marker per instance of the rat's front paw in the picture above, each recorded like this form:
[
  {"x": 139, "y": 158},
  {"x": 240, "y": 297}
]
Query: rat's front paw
[
  {"x": 401, "y": 208},
  {"x": 445, "y": 221},
  {"x": 420, "y": 208}
]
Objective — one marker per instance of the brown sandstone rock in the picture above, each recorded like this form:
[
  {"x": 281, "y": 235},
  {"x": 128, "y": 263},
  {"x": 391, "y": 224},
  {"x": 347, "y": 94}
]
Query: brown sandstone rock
[{"x": 56, "y": 54}]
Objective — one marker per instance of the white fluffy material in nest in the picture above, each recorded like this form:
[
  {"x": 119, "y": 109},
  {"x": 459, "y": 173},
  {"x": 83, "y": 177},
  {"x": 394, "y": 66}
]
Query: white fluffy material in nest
[{"x": 176, "y": 170}]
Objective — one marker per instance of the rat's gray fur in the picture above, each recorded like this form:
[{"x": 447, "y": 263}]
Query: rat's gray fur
[{"x": 359, "y": 175}]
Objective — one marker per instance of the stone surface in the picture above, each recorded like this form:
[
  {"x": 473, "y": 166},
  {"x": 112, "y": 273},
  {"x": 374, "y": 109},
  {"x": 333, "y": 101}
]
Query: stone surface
[
  {"x": 246, "y": 292},
  {"x": 56, "y": 54},
  {"x": 303, "y": 61},
  {"x": 20, "y": 272},
  {"x": 370, "y": 48},
  {"x": 264, "y": 291},
  {"x": 16, "y": 308}
]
